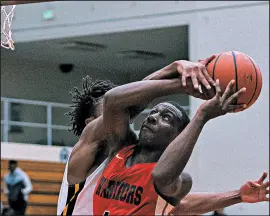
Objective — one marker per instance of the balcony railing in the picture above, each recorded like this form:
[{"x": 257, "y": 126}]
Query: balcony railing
[{"x": 6, "y": 122}]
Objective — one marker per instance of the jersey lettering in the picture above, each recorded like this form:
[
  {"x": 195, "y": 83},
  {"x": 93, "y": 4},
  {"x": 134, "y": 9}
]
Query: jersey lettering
[{"x": 121, "y": 191}]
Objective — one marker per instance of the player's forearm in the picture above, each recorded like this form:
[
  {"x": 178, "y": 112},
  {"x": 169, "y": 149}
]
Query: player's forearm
[
  {"x": 28, "y": 185},
  {"x": 138, "y": 93},
  {"x": 201, "y": 203},
  {"x": 167, "y": 72},
  {"x": 27, "y": 190},
  {"x": 174, "y": 159}
]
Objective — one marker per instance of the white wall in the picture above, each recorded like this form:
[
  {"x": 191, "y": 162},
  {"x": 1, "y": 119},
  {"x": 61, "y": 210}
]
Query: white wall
[
  {"x": 235, "y": 148},
  {"x": 96, "y": 17},
  {"x": 19, "y": 151}
]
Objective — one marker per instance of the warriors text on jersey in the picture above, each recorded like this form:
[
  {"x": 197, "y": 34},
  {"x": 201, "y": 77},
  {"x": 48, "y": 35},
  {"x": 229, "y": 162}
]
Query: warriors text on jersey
[{"x": 128, "y": 191}]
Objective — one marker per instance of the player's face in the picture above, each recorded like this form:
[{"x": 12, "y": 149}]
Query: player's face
[{"x": 160, "y": 127}]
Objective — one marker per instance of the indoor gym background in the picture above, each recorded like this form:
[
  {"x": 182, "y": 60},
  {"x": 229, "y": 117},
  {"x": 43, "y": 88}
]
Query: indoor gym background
[{"x": 230, "y": 150}]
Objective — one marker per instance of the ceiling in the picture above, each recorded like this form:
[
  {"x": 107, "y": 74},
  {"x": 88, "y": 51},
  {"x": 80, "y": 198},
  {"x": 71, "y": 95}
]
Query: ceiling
[{"x": 172, "y": 42}]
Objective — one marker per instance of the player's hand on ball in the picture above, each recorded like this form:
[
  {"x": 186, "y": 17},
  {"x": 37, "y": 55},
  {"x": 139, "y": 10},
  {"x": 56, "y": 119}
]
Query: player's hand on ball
[
  {"x": 221, "y": 104},
  {"x": 196, "y": 71},
  {"x": 255, "y": 191},
  {"x": 204, "y": 93}
]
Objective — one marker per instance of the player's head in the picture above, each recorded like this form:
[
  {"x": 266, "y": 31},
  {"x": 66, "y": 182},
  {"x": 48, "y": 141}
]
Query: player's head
[
  {"x": 12, "y": 165},
  {"x": 164, "y": 122},
  {"x": 88, "y": 103}
]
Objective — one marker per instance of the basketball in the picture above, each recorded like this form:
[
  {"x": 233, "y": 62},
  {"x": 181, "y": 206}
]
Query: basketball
[{"x": 243, "y": 69}]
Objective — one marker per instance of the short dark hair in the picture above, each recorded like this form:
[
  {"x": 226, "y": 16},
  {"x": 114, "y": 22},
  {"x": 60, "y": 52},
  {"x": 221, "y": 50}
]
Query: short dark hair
[
  {"x": 184, "y": 119},
  {"x": 10, "y": 162},
  {"x": 84, "y": 102}
]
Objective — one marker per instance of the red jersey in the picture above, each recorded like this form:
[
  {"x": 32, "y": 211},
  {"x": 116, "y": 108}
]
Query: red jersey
[{"x": 128, "y": 191}]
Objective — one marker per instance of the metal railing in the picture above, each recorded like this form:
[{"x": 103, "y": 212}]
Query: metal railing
[{"x": 49, "y": 126}]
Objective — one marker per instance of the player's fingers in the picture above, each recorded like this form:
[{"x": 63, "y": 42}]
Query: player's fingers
[
  {"x": 194, "y": 80},
  {"x": 208, "y": 77},
  {"x": 254, "y": 184},
  {"x": 203, "y": 80},
  {"x": 266, "y": 184},
  {"x": 228, "y": 91},
  {"x": 262, "y": 178},
  {"x": 267, "y": 192},
  {"x": 232, "y": 108},
  {"x": 234, "y": 97},
  {"x": 208, "y": 60},
  {"x": 218, "y": 89},
  {"x": 208, "y": 93},
  {"x": 184, "y": 78}
]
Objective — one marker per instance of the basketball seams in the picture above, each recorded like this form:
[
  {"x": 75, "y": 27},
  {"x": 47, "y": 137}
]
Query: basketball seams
[
  {"x": 256, "y": 85},
  {"x": 236, "y": 74},
  {"x": 214, "y": 67}
]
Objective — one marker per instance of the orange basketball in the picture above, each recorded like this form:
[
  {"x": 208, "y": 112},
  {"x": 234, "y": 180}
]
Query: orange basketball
[{"x": 240, "y": 67}]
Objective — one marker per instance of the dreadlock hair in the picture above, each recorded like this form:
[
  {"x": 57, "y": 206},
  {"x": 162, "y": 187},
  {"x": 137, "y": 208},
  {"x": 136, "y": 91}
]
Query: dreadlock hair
[{"x": 84, "y": 102}]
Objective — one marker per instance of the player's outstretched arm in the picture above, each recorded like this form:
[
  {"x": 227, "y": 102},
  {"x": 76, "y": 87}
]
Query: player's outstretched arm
[
  {"x": 201, "y": 203},
  {"x": 184, "y": 70},
  {"x": 174, "y": 159}
]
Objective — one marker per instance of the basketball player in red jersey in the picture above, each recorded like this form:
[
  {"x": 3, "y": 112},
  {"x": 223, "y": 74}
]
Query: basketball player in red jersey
[
  {"x": 192, "y": 204},
  {"x": 91, "y": 143},
  {"x": 138, "y": 177},
  {"x": 94, "y": 130}
]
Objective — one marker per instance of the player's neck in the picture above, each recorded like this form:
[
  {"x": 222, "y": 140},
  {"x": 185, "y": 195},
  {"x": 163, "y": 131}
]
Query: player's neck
[{"x": 145, "y": 155}]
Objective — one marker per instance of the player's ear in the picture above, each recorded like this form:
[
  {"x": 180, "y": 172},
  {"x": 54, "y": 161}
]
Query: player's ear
[{"x": 88, "y": 120}]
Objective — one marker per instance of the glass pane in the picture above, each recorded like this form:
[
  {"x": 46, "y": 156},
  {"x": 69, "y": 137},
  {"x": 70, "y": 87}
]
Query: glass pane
[
  {"x": 59, "y": 117},
  {"x": 28, "y": 113},
  {"x": 2, "y": 133},
  {"x": 31, "y": 135},
  {"x": 63, "y": 138},
  {"x": 2, "y": 110}
]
